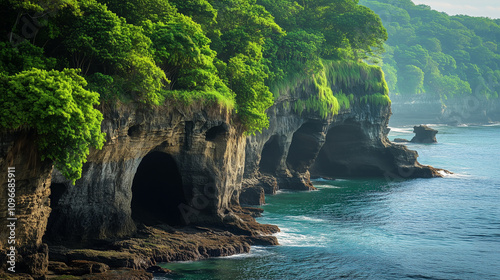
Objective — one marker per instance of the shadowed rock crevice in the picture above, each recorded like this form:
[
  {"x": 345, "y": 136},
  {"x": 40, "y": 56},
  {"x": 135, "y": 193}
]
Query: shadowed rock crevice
[
  {"x": 157, "y": 191},
  {"x": 57, "y": 190},
  {"x": 306, "y": 143},
  {"x": 215, "y": 133},
  {"x": 271, "y": 156}
]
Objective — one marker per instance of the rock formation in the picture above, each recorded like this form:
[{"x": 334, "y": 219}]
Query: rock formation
[
  {"x": 29, "y": 208},
  {"x": 353, "y": 143},
  {"x": 424, "y": 134},
  {"x": 174, "y": 174}
]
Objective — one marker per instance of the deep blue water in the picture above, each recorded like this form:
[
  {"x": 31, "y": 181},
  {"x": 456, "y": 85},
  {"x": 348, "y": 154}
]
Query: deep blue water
[{"x": 443, "y": 228}]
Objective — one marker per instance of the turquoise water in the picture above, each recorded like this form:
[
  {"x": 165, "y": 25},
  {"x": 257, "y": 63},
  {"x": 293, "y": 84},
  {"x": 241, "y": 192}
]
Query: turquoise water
[{"x": 444, "y": 228}]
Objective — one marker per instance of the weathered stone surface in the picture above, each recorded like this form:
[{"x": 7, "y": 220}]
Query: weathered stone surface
[
  {"x": 156, "y": 244},
  {"x": 207, "y": 151},
  {"x": 252, "y": 195},
  {"x": 120, "y": 274},
  {"x": 400, "y": 140},
  {"x": 424, "y": 134},
  {"x": 353, "y": 143},
  {"x": 158, "y": 270},
  {"x": 31, "y": 202}
]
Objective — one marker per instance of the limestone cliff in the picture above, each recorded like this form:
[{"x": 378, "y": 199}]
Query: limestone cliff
[
  {"x": 174, "y": 174},
  {"x": 30, "y": 204},
  {"x": 352, "y": 143},
  {"x": 199, "y": 161},
  {"x": 417, "y": 109}
]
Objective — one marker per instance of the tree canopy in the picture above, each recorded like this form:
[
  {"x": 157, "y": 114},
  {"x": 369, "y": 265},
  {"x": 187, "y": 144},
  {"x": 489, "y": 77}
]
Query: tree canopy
[
  {"x": 435, "y": 54},
  {"x": 66, "y": 56}
]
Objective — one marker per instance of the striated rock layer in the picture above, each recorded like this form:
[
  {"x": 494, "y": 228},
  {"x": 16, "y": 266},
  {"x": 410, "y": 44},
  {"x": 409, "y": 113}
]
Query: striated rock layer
[
  {"x": 30, "y": 204},
  {"x": 160, "y": 165}
]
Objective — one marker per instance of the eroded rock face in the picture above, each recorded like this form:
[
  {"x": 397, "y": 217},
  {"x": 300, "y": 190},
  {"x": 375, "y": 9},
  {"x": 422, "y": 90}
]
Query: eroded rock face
[
  {"x": 196, "y": 164},
  {"x": 357, "y": 146},
  {"x": 285, "y": 150},
  {"x": 353, "y": 143},
  {"x": 30, "y": 206}
]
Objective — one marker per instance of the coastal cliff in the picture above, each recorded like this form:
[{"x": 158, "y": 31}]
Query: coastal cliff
[
  {"x": 352, "y": 143},
  {"x": 166, "y": 185}
]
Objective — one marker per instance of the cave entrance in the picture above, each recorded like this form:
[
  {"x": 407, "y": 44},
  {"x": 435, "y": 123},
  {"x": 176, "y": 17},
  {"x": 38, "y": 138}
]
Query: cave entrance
[
  {"x": 271, "y": 156},
  {"x": 305, "y": 146},
  {"x": 57, "y": 190},
  {"x": 346, "y": 153},
  {"x": 157, "y": 191}
]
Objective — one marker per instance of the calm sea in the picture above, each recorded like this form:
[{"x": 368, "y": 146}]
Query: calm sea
[{"x": 444, "y": 228}]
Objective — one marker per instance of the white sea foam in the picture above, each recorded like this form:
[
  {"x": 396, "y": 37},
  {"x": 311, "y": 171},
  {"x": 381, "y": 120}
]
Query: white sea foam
[
  {"x": 255, "y": 251},
  {"x": 492, "y": 124},
  {"x": 304, "y": 218},
  {"x": 408, "y": 130},
  {"x": 301, "y": 240},
  {"x": 454, "y": 175},
  {"x": 327, "y": 187}
]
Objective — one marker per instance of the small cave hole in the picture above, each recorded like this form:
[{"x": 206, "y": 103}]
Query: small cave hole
[
  {"x": 157, "y": 191},
  {"x": 134, "y": 131},
  {"x": 271, "y": 156},
  {"x": 213, "y": 133}
]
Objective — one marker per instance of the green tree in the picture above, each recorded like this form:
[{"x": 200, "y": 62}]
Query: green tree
[
  {"x": 412, "y": 80},
  {"x": 56, "y": 105},
  {"x": 100, "y": 41}
]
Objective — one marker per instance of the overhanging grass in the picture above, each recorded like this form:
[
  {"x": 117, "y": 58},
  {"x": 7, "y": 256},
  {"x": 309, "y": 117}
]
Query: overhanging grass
[
  {"x": 335, "y": 74},
  {"x": 204, "y": 97}
]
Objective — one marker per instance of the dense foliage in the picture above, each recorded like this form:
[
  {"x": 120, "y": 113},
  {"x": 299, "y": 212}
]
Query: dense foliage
[
  {"x": 66, "y": 56},
  {"x": 56, "y": 104},
  {"x": 442, "y": 56}
]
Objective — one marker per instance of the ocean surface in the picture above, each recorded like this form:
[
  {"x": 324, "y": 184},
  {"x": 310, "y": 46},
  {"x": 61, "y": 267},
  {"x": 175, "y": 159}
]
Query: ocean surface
[{"x": 443, "y": 228}]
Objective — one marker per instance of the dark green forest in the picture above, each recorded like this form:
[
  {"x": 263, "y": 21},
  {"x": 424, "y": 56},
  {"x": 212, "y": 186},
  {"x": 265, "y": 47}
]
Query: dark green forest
[
  {"x": 432, "y": 53},
  {"x": 61, "y": 60}
]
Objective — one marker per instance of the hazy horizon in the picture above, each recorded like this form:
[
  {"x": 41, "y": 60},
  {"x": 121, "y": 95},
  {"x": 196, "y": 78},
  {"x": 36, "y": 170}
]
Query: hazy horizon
[{"x": 479, "y": 8}]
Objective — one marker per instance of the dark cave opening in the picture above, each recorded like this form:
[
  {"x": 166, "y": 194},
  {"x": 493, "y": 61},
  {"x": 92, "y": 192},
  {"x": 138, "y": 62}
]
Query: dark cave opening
[
  {"x": 57, "y": 190},
  {"x": 157, "y": 191},
  {"x": 346, "y": 153},
  {"x": 305, "y": 146},
  {"x": 215, "y": 132},
  {"x": 271, "y": 156}
]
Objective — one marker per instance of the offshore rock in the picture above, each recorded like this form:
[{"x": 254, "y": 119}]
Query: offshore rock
[{"x": 424, "y": 134}]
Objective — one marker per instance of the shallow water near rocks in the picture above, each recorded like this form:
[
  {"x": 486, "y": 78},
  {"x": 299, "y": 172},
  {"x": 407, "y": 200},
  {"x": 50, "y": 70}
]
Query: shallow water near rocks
[{"x": 444, "y": 228}]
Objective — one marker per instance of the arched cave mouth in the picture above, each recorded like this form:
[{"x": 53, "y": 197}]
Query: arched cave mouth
[
  {"x": 304, "y": 147},
  {"x": 346, "y": 154},
  {"x": 271, "y": 156},
  {"x": 215, "y": 133},
  {"x": 157, "y": 191}
]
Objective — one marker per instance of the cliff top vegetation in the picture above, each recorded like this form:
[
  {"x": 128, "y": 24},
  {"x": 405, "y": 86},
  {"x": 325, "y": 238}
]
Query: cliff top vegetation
[{"x": 61, "y": 58}]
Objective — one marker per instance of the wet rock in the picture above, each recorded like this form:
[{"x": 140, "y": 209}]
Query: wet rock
[
  {"x": 252, "y": 195},
  {"x": 400, "y": 140},
  {"x": 158, "y": 270},
  {"x": 120, "y": 274}
]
